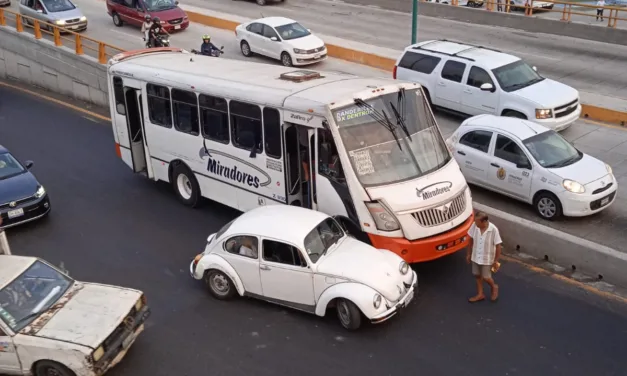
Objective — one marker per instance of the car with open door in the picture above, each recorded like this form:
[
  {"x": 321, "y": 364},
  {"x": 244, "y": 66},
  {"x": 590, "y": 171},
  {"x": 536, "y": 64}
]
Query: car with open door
[{"x": 305, "y": 260}]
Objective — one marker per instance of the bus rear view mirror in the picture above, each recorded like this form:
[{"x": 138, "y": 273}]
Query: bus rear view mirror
[{"x": 121, "y": 109}]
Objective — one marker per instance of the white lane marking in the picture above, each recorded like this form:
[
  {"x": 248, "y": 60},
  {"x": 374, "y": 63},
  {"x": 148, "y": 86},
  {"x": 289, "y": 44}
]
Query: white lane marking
[{"x": 138, "y": 36}]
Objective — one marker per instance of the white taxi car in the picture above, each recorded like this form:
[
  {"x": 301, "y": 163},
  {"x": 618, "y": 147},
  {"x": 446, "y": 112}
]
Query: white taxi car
[
  {"x": 282, "y": 39},
  {"x": 532, "y": 163},
  {"x": 303, "y": 259},
  {"x": 51, "y": 324}
]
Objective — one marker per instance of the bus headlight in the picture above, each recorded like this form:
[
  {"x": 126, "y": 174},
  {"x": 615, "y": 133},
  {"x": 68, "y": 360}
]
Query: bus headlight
[
  {"x": 376, "y": 301},
  {"x": 40, "y": 191},
  {"x": 98, "y": 353},
  {"x": 383, "y": 219},
  {"x": 403, "y": 268}
]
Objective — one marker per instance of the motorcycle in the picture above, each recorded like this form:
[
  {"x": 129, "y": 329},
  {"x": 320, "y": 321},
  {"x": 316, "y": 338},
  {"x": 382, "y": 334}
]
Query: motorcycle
[
  {"x": 162, "y": 40},
  {"x": 214, "y": 53}
]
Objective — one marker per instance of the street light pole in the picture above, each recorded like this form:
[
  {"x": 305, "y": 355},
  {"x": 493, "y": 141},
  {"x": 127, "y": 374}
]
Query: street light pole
[{"x": 414, "y": 22}]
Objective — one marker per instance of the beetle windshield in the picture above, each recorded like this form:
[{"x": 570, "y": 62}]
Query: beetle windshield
[
  {"x": 322, "y": 237},
  {"x": 31, "y": 293}
]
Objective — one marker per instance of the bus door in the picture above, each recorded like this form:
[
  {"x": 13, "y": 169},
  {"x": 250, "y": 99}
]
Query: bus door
[
  {"x": 298, "y": 166},
  {"x": 135, "y": 126}
]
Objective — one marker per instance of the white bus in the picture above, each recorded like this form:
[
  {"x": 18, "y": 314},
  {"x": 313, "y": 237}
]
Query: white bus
[{"x": 364, "y": 150}]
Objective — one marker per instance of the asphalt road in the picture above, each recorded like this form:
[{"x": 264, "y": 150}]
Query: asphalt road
[{"x": 110, "y": 226}]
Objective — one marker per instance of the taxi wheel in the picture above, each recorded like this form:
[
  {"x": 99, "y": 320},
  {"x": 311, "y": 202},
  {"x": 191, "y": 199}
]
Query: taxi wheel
[
  {"x": 48, "y": 368},
  {"x": 548, "y": 206},
  {"x": 348, "y": 314},
  {"x": 220, "y": 285}
]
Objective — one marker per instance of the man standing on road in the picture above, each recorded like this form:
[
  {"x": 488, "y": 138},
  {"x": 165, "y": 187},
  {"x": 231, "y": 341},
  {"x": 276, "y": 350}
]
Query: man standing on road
[
  {"x": 4, "y": 243},
  {"x": 484, "y": 252},
  {"x": 600, "y": 4}
]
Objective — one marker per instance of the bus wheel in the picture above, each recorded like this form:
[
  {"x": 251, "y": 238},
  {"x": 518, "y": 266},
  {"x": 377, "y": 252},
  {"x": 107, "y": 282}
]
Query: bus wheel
[{"x": 186, "y": 186}]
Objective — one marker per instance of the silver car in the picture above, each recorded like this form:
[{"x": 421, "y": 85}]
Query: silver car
[
  {"x": 4, "y": 3},
  {"x": 62, "y": 13}
]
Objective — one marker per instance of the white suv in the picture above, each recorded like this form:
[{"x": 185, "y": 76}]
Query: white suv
[{"x": 476, "y": 80}]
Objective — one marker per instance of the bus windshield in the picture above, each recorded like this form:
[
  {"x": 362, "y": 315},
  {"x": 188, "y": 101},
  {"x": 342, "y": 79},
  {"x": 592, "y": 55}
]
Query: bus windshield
[{"x": 391, "y": 138}]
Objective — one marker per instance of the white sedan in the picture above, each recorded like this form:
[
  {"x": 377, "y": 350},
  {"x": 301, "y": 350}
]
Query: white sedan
[
  {"x": 532, "y": 163},
  {"x": 303, "y": 259},
  {"x": 282, "y": 39}
]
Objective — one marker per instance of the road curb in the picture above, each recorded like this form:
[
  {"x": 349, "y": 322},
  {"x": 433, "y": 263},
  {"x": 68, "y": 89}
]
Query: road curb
[
  {"x": 521, "y": 236},
  {"x": 387, "y": 63}
]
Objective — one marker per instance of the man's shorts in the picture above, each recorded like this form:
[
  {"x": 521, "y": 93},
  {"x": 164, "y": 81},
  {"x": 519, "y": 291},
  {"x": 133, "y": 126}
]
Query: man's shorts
[{"x": 482, "y": 270}]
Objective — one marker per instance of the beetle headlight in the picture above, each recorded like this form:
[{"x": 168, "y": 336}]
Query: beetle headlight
[
  {"x": 573, "y": 186},
  {"x": 403, "y": 267},
  {"x": 40, "y": 191},
  {"x": 98, "y": 353},
  {"x": 376, "y": 301}
]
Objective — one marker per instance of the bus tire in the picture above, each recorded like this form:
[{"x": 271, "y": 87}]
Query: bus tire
[{"x": 186, "y": 186}]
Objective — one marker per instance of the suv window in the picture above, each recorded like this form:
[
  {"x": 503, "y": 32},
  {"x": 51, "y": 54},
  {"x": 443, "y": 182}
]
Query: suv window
[
  {"x": 479, "y": 140},
  {"x": 282, "y": 253},
  {"x": 247, "y": 246},
  {"x": 255, "y": 28},
  {"x": 419, "y": 62},
  {"x": 453, "y": 71},
  {"x": 508, "y": 150},
  {"x": 478, "y": 77}
]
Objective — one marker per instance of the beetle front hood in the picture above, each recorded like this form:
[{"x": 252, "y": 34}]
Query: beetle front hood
[
  {"x": 360, "y": 262},
  {"x": 90, "y": 316}
]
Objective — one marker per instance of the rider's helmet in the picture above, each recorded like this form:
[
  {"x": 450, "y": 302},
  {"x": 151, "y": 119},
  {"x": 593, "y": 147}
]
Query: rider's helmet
[
  {"x": 147, "y": 18},
  {"x": 156, "y": 20},
  {"x": 206, "y": 38}
]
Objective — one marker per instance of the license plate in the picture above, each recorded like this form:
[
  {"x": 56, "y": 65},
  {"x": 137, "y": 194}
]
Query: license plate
[
  {"x": 15, "y": 213},
  {"x": 127, "y": 341},
  {"x": 177, "y": 27},
  {"x": 605, "y": 201},
  {"x": 317, "y": 56},
  {"x": 74, "y": 27},
  {"x": 410, "y": 296}
]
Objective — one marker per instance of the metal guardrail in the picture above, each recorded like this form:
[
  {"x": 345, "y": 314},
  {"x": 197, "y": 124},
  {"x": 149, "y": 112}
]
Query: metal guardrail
[
  {"x": 615, "y": 14},
  {"x": 59, "y": 35}
]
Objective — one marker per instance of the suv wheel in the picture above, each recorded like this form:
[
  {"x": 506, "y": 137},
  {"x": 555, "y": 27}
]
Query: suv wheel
[{"x": 117, "y": 21}]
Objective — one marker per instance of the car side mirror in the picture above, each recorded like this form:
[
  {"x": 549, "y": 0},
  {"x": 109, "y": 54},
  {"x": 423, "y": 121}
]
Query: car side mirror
[
  {"x": 28, "y": 164},
  {"x": 40, "y": 11},
  {"x": 121, "y": 109},
  {"x": 487, "y": 87},
  {"x": 274, "y": 39},
  {"x": 524, "y": 164},
  {"x": 534, "y": 68}
]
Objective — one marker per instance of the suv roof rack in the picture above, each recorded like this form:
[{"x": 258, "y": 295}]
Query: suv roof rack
[{"x": 456, "y": 54}]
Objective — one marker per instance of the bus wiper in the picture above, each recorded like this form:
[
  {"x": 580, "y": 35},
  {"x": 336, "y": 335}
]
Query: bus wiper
[
  {"x": 380, "y": 118},
  {"x": 400, "y": 112}
]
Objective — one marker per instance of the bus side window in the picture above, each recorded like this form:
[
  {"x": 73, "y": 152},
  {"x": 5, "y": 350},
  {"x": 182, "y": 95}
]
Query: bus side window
[
  {"x": 246, "y": 130},
  {"x": 214, "y": 117},
  {"x": 159, "y": 106},
  {"x": 328, "y": 157},
  {"x": 118, "y": 93},
  {"x": 272, "y": 132},
  {"x": 185, "y": 106}
]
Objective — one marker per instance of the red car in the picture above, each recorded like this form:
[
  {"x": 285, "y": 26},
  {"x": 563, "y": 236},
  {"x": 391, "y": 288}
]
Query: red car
[{"x": 133, "y": 12}]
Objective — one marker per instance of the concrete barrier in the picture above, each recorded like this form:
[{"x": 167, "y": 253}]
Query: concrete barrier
[
  {"x": 58, "y": 69},
  {"x": 521, "y": 235}
]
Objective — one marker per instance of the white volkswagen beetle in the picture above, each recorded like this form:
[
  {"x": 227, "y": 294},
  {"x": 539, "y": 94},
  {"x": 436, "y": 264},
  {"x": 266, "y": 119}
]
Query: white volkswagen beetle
[{"x": 303, "y": 259}]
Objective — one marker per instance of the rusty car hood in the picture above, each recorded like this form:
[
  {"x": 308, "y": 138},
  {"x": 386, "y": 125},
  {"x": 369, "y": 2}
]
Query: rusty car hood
[{"x": 86, "y": 315}]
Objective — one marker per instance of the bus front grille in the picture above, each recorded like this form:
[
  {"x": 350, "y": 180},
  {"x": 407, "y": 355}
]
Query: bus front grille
[{"x": 443, "y": 213}]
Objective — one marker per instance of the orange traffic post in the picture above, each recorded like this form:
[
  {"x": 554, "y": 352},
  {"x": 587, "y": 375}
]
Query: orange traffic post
[
  {"x": 102, "y": 53},
  {"x": 79, "y": 45},
  {"x": 37, "y": 28},
  {"x": 18, "y": 23},
  {"x": 57, "y": 37},
  {"x": 3, "y": 21}
]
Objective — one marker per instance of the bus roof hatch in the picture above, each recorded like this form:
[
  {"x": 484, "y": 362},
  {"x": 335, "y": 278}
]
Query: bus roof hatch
[{"x": 300, "y": 75}]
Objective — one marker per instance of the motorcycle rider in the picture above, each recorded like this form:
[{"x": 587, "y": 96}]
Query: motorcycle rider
[
  {"x": 146, "y": 27},
  {"x": 207, "y": 47},
  {"x": 155, "y": 30}
]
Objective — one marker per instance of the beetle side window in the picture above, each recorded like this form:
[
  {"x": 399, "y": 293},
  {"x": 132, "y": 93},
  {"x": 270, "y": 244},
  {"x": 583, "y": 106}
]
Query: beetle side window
[
  {"x": 453, "y": 71},
  {"x": 247, "y": 246},
  {"x": 508, "y": 150},
  {"x": 419, "y": 62},
  {"x": 479, "y": 140},
  {"x": 478, "y": 77},
  {"x": 282, "y": 253}
]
